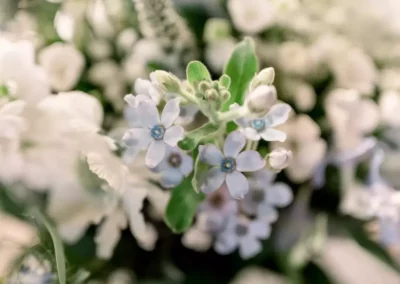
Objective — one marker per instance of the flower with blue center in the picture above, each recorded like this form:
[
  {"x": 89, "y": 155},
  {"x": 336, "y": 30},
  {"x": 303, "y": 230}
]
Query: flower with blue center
[
  {"x": 242, "y": 233},
  {"x": 228, "y": 166},
  {"x": 174, "y": 167},
  {"x": 255, "y": 129},
  {"x": 265, "y": 195},
  {"x": 155, "y": 133}
]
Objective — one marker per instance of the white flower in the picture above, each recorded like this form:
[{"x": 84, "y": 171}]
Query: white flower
[
  {"x": 17, "y": 65},
  {"x": 174, "y": 167},
  {"x": 294, "y": 58},
  {"x": 258, "y": 275},
  {"x": 12, "y": 122},
  {"x": 63, "y": 64},
  {"x": 279, "y": 159},
  {"x": 389, "y": 103},
  {"x": 389, "y": 79},
  {"x": 265, "y": 195},
  {"x": 227, "y": 167},
  {"x": 243, "y": 233},
  {"x": 155, "y": 133},
  {"x": 104, "y": 72},
  {"x": 307, "y": 147},
  {"x": 148, "y": 88},
  {"x": 261, "y": 99},
  {"x": 255, "y": 129},
  {"x": 251, "y": 16}
]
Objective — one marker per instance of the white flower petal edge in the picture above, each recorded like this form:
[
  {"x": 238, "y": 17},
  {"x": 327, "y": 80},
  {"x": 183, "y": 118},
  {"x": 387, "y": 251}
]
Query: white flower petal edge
[
  {"x": 234, "y": 143},
  {"x": 237, "y": 184},
  {"x": 278, "y": 114},
  {"x": 170, "y": 112},
  {"x": 173, "y": 135},
  {"x": 155, "y": 153},
  {"x": 148, "y": 114},
  {"x": 214, "y": 179},
  {"x": 249, "y": 161},
  {"x": 211, "y": 155},
  {"x": 271, "y": 134}
]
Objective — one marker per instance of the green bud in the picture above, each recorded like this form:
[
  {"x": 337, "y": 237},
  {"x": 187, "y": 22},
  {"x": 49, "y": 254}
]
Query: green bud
[
  {"x": 225, "y": 81},
  {"x": 167, "y": 81},
  {"x": 204, "y": 86},
  {"x": 211, "y": 95},
  {"x": 225, "y": 95},
  {"x": 265, "y": 77},
  {"x": 215, "y": 85}
]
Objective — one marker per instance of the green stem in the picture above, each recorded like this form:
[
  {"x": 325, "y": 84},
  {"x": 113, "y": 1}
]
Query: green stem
[{"x": 233, "y": 114}]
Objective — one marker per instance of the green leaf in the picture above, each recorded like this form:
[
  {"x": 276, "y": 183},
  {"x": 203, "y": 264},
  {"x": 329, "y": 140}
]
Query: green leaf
[
  {"x": 58, "y": 246},
  {"x": 182, "y": 206},
  {"x": 241, "y": 68},
  {"x": 225, "y": 81},
  {"x": 197, "y": 72},
  {"x": 193, "y": 138}
]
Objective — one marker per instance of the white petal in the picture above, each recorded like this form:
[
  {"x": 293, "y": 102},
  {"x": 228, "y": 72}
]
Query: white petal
[
  {"x": 226, "y": 243},
  {"x": 271, "y": 134},
  {"x": 155, "y": 153},
  {"x": 234, "y": 143},
  {"x": 278, "y": 114},
  {"x": 280, "y": 194},
  {"x": 110, "y": 168},
  {"x": 249, "y": 161},
  {"x": 251, "y": 134},
  {"x": 213, "y": 180},
  {"x": 237, "y": 184},
  {"x": 130, "y": 100},
  {"x": 170, "y": 112},
  {"x": 267, "y": 213},
  {"x": 260, "y": 229},
  {"x": 187, "y": 164},
  {"x": 211, "y": 155},
  {"x": 249, "y": 247},
  {"x": 171, "y": 178},
  {"x": 13, "y": 108},
  {"x": 137, "y": 138},
  {"x": 132, "y": 116},
  {"x": 148, "y": 114},
  {"x": 142, "y": 86},
  {"x": 109, "y": 233},
  {"x": 173, "y": 135}
]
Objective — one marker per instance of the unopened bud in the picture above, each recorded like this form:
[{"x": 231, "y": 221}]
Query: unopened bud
[
  {"x": 204, "y": 86},
  {"x": 279, "y": 159},
  {"x": 261, "y": 99},
  {"x": 211, "y": 95},
  {"x": 265, "y": 77},
  {"x": 225, "y": 95},
  {"x": 166, "y": 81}
]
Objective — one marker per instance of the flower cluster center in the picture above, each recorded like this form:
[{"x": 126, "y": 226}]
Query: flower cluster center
[
  {"x": 257, "y": 196},
  {"x": 228, "y": 165},
  {"x": 157, "y": 132},
  {"x": 258, "y": 124},
  {"x": 241, "y": 230},
  {"x": 175, "y": 160}
]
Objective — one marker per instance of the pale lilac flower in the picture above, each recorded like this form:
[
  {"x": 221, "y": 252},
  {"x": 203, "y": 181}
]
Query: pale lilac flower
[
  {"x": 265, "y": 196},
  {"x": 215, "y": 210},
  {"x": 244, "y": 234},
  {"x": 155, "y": 133},
  {"x": 174, "y": 167},
  {"x": 228, "y": 167},
  {"x": 263, "y": 127}
]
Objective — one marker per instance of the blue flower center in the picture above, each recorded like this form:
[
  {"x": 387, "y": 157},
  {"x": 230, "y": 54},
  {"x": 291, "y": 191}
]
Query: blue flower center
[
  {"x": 157, "y": 132},
  {"x": 228, "y": 165},
  {"x": 258, "y": 124}
]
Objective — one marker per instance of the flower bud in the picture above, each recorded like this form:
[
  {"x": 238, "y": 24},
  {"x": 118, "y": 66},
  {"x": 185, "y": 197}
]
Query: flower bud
[
  {"x": 261, "y": 99},
  {"x": 166, "y": 81},
  {"x": 204, "y": 86},
  {"x": 225, "y": 95},
  {"x": 279, "y": 159},
  {"x": 265, "y": 77},
  {"x": 211, "y": 95}
]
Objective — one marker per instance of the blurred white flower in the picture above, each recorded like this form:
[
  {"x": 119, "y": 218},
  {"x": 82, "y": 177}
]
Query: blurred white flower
[
  {"x": 17, "y": 66},
  {"x": 32, "y": 270},
  {"x": 12, "y": 123},
  {"x": 64, "y": 65},
  {"x": 294, "y": 58},
  {"x": 307, "y": 147},
  {"x": 279, "y": 159},
  {"x": 126, "y": 40},
  {"x": 389, "y": 103},
  {"x": 251, "y": 16},
  {"x": 244, "y": 234},
  {"x": 99, "y": 49},
  {"x": 351, "y": 117},
  {"x": 228, "y": 167},
  {"x": 104, "y": 72},
  {"x": 217, "y": 53},
  {"x": 258, "y": 275},
  {"x": 389, "y": 79},
  {"x": 265, "y": 195}
]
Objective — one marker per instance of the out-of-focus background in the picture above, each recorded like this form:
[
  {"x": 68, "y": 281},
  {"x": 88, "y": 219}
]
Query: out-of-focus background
[{"x": 65, "y": 67}]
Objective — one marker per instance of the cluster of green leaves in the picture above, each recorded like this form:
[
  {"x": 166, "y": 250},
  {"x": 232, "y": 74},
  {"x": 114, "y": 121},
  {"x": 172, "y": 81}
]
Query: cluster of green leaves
[{"x": 240, "y": 70}]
